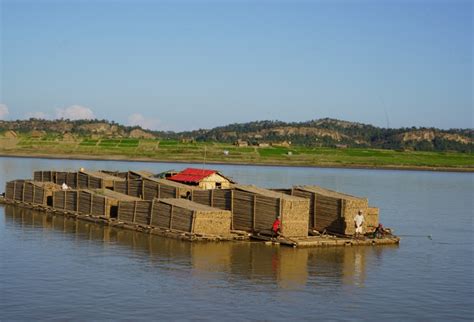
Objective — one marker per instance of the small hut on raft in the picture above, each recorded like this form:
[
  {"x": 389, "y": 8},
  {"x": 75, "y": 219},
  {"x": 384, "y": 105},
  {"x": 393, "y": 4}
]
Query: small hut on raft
[
  {"x": 334, "y": 211},
  {"x": 176, "y": 214},
  {"x": 203, "y": 178}
]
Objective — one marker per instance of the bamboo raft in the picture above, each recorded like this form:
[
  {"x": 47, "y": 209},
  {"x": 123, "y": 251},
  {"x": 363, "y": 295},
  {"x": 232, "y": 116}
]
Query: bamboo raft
[{"x": 136, "y": 200}]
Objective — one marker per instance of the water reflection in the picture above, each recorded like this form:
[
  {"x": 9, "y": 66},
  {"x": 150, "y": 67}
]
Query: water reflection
[{"x": 287, "y": 268}]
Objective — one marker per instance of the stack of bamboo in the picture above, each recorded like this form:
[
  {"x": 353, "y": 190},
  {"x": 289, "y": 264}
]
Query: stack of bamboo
[
  {"x": 137, "y": 211},
  {"x": 98, "y": 203},
  {"x": 58, "y": 177},
  {"x": 334, "y": 211},
  {"x": 255, "y": 209},
  {"x": 30, "y": 191},
  {"x": 176, "y": 214}
]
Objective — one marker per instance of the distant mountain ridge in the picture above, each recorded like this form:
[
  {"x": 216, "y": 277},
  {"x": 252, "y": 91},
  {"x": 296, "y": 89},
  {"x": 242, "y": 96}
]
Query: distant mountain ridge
[{"x": 321, "y": 132}]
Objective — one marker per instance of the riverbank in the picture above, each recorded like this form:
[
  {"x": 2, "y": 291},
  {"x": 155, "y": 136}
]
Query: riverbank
[{"x": 266, "y": 162}]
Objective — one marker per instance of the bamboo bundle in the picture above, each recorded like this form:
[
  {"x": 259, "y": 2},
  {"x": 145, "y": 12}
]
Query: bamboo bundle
[
  {"x": 135, "y": 188},
  {"x": 10, "y": 190},
  {"x": 267, "y": 209},
  {"x": 182, "y": 218},
  {"x": 162, "y": 188},
  {"x": 185, "y": 215},
  {"x": 137, "y": 211},
  {"x": 222, "y": 199},
  {"x": 59, "y": 199},
  {"x": 334, "y": 211},
  {"x": 242, "y": 211},
  {"x": 85, "y": 202},
  {"x": 126, "y": 211},
  {"x": 203, "y": 197},
  {"x": 255, "y": 209},
  {"x": 120, "y": 186},
  {"x": 18, "y": 191},
  {"x": 161, "y": 215},
  {"x": 99, "y": 206}
]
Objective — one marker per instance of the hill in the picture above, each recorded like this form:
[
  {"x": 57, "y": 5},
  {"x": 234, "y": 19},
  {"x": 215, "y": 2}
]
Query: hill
[{"x": 316, "y": 133}]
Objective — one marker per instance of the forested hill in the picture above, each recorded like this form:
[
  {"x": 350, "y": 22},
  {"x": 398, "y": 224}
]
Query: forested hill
[
  {"x": 331, "y": 132},
  {"x": 322, "y": 132}
]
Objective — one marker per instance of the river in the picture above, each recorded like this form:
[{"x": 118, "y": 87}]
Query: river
[{"x": 52, "y": 268}]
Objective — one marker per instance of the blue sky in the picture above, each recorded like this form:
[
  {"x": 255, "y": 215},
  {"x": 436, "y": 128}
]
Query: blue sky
[{"x": 177, "y": 65}]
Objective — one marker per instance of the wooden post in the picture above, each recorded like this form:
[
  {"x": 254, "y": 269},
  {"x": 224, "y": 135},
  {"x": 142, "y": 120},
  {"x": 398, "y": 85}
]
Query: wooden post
[
  {"x": 212, "y": 198},
  {"x": 159, "y": 190},
  {"x": 176, "y": 192},
  {"x": 280, "y": 206},
  {"x": 77, "y": 200},
  {"x": 128, "y": 184},
  {"x": 192, "y": 195},
  {"x": 118, "y": 210},
  {"x": 23, "y": 192},
  {"x": 151, "y": 211},
  {"x": 193, "y": 222},
  {"x": 134, "y": 211},
  {"x": 92, "y": 198},
  {"x": 254, "y": 211},
  {"x": 64, "y": 199},
  {"x": 143, "y": 189},
  {"x": 171, "y": 217},
  {"x": 232, "y": 209},
  {"x": 14, "y": 190},
  {"x": 88, "y": 181},
  {"x": 342, "y": 208},
  {"x": 34, "y": 193},
  {"x": 42, "y": 176},
  {"x": 77, "y": 180}
]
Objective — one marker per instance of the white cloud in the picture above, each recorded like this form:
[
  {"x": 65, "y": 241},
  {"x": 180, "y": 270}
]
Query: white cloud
[
  {"x": 3, "y": 111},
  {"x": 37, "y": 115},
  {"x": 75, "y": 112},
  {"x": 146, "y": 123}
]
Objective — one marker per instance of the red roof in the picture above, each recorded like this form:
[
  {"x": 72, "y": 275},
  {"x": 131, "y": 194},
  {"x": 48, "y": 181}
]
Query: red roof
[{"x": 192, "y": 175}]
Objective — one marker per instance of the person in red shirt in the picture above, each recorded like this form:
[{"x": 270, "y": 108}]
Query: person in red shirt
[{"x": 276, "y": 227}]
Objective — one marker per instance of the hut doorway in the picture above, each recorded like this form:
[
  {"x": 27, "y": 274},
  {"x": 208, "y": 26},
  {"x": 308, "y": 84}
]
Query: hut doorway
[
  {"x": 113, "y": 211},
  {"x": 49, "y": 201}
]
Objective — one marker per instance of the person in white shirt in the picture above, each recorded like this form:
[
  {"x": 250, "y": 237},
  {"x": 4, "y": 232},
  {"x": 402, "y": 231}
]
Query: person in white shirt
[
  {"x": 64, "y": 186},
  {"x": 359, "y": 221}
]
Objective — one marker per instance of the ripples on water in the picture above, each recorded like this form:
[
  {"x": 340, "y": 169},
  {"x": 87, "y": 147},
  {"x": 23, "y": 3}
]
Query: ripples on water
[{"x": 57, "y": 268}]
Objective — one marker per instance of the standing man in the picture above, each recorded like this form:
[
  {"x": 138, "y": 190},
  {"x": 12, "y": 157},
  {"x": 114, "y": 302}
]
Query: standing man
[{"x": 358, "y": 221}]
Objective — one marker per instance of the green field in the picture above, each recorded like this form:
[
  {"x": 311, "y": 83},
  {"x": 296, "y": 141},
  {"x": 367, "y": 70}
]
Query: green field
[{"x": 172, "y": 150}]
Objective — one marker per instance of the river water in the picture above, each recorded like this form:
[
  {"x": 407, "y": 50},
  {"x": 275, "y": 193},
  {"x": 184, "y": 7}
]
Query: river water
[{"x": 53, "y": 268}]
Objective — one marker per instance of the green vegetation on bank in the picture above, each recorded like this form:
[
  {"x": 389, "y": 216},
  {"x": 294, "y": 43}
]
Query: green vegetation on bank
[{"x": 174, "y": 150}]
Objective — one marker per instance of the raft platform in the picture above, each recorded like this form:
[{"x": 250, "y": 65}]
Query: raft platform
[{"x": 236, "y": 235}]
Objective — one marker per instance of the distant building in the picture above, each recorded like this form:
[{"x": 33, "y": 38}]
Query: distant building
[
  {"x": 284, "y": 144},
  {"x": 204, "y": 178},
  {"x": 263, "y": 145},
  {"x": 241, "y": 143}
]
